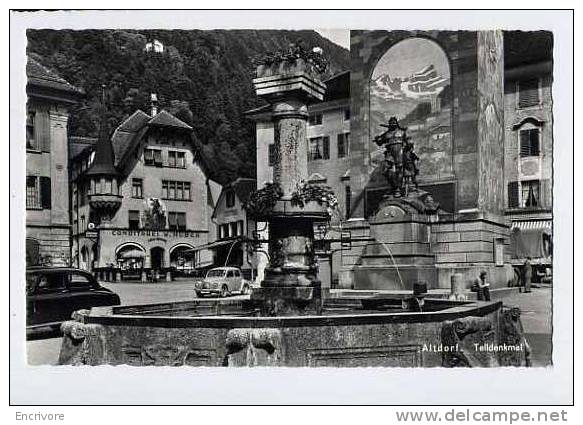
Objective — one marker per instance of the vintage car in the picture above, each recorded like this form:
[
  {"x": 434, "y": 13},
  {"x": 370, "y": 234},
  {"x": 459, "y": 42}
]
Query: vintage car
[
  {"x": 222, "y": 281},
  {"x": 53, "y": 294}
]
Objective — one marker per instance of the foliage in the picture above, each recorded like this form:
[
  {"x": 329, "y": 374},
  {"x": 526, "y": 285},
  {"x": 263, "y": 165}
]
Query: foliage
[
  {"x": 322, "y": 194},
  {"x": 263, "y": 200},
  {"x": 205, "y": 77}
]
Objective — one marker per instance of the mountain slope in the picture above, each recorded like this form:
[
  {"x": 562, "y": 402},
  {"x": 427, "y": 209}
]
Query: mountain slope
[{"x": 203, "y": 77}]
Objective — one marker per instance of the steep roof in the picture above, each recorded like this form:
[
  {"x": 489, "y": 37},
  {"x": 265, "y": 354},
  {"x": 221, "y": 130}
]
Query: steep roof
[
  {"x": 165, "y": 119},
  {"x": 337, "y": 86},
  {"x": 128, "y": 133},
  {"x": 79, "y": 144},
  {"x": 243, "y": 187},
  {"x": 42, "y": 76},
  {"x": 103, "y": 163}
]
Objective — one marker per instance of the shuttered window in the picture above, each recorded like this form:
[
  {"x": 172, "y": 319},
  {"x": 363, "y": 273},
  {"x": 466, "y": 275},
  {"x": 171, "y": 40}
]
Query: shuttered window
[
  {"x": 153, "y": 157},
  {"x": 529, "y": 142},
  {"x": 513, "y": 195},
  {"x": 133, "y": 219},
  {"x": 528, "y": 93},
  {"x": 530, "y": 193},
  {"x": 172, "y": 220},
  {"x": 177, "y": 221}
]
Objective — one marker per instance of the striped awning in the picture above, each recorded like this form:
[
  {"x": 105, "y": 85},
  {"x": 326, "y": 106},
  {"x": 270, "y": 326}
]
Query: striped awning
[{"x": 533, "y": 225}]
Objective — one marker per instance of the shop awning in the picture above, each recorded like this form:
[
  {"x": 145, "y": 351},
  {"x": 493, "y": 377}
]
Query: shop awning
[
  {"x": 531, "y": 238},
  {"x": 533, "y": 224},
  {"x": 131, "y": 253},
  {"x": 216, "y": 244}
]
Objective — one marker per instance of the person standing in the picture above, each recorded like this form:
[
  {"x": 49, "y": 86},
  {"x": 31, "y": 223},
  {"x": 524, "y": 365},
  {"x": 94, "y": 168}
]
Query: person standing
[
  {"x": 527, "y": 274},
  {"x": 483, "y": 286}
]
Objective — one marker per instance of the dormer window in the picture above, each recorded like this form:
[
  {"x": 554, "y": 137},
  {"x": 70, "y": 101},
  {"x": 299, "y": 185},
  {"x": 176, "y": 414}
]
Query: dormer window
[{"x": 153, "y": 157}]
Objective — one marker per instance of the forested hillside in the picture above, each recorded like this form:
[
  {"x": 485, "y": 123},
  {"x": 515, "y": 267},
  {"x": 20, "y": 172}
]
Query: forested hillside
[{"x": 203, "y": 77}]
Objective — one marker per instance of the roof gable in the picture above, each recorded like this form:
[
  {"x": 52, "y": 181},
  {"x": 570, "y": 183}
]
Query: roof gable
[
  {"x": 40, "y": 75},
  {"x": 166, "y": 119}
]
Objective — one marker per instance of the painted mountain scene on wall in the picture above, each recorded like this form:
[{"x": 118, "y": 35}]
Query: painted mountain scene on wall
[{"x": 412, "y": 82}]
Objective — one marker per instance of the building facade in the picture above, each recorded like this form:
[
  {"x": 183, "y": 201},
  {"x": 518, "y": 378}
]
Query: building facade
[
  {"x": 141, "y": 209},
  {"x": 234, "y": 229},
  {"x": 528, "y": 148},
  {"x": 47, "y": 180}
]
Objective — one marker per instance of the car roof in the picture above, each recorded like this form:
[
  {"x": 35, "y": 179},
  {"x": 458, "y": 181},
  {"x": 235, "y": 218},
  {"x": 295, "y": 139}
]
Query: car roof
[
  {"x": 225, "y": 268},
  {"x": 45, "y": 269}
]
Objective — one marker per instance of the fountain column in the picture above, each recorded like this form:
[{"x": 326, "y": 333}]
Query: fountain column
[{"x": 289, "y": 82}]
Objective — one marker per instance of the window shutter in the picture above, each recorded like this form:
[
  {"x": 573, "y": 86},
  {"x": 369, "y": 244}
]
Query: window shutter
[
  {"x": 45, "y": 192},
  {"x": 172, "y": 219},
  {"x": 158, "y": 157},
  {"x": 340, "y": 145},
  {"x": 181, "y": 220},
  {"x": 513, "y": 195},
  {"x": 42, "y": 129},
  {"x": 326, "y": 147},
  {"x": 528, "y": 93},
  {"x": 534, "y": 142}
]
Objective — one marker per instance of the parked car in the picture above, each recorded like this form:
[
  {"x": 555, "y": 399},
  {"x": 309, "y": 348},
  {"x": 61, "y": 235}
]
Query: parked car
[
  {"x": 222, "y": 281},
  {"x": 53, "y": 294}
]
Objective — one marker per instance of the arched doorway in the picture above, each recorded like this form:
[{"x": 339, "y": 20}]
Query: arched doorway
[
  {"x": 130, "y": 260},
  {"x": 183, "y": 259},
  {"x": 157, "y": 258}
]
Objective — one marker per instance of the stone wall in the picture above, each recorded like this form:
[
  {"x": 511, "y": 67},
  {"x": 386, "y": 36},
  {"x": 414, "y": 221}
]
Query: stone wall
[{"x": 359, "y": 340}]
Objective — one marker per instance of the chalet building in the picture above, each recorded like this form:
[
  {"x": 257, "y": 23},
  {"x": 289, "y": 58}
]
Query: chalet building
[
  {"x": 47, "y": 160},
  {"x": 234, "y": 228},
  {"x": 141, "y": 200},
  {"x": 528, "y": 148}
]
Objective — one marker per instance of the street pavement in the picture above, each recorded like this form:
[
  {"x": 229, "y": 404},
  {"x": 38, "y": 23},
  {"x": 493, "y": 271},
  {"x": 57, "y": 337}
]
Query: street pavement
[{"x": 535, "y": 307}]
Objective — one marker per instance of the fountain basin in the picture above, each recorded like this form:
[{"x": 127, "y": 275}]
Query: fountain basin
[{"x": 350, "y": 332}]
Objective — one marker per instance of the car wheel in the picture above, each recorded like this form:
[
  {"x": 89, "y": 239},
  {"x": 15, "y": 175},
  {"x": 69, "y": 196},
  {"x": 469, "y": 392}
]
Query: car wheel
[
  {"x": 245, "y": 290},
  {"x": 224, "y": 291}
]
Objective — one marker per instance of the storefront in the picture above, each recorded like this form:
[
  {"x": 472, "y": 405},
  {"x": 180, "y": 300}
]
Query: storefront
[{"x": 150, "y": 255}]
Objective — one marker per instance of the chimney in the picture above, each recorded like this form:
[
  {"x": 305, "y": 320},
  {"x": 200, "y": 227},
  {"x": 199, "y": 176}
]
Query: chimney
[{"x": 154, "y": 104}]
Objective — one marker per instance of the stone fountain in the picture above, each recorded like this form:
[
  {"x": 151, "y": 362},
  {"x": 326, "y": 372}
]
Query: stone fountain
[{"x": 287, "y": 321}]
